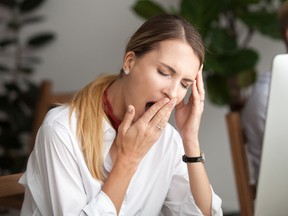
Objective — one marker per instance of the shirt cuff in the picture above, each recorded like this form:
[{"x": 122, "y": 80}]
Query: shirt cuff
[
  {"x": 216, "y": 204},
  {"x": 100, "y": 205}
]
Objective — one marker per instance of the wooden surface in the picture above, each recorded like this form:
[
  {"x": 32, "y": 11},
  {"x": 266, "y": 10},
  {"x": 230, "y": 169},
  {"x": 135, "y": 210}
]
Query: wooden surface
[
  {"x": 240, "y": 162},
  {"x": 11, "y": 192}
]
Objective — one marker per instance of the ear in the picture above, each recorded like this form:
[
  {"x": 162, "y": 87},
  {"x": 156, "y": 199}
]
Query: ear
[{"x": 128, "y": 61}]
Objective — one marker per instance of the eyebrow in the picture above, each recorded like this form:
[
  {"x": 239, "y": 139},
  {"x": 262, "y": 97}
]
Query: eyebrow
[{"x": 172, "y": 70}]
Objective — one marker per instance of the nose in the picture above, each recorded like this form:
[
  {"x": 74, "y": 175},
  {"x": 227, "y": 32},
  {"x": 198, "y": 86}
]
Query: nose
[{"x": 171, "y": 91}]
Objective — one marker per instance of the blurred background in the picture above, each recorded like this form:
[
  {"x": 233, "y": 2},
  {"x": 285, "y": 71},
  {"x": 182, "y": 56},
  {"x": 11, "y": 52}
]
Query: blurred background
[{"x": 89, "y": 39}]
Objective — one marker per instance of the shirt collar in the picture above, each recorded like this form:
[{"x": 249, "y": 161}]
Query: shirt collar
[{"x": 109, "y": 136}]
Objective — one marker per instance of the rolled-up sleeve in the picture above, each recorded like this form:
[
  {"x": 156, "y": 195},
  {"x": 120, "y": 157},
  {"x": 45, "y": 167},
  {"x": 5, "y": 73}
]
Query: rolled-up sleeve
[
  {"x": 103, "y": 204},
  {"x": 179, "y": 200}
]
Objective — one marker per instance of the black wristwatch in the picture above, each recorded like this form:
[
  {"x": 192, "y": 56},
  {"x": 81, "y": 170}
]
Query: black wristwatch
[{"x": 201, "y": 158}]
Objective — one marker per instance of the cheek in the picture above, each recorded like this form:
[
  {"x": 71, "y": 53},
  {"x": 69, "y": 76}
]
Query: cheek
[{"x": 181, "y": 96}]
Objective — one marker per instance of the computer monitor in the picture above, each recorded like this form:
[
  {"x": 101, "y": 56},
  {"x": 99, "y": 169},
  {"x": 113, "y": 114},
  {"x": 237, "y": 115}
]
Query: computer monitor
[{"x": 272, "y": 190}]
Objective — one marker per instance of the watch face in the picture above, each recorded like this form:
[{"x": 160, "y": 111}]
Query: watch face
[
  {"x": 203, "y": 156},
  {"x": 201, "y": 159}
]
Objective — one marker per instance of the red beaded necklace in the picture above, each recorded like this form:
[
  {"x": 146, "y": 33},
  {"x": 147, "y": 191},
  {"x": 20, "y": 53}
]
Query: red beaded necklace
[{"x": 109, "y": 112}]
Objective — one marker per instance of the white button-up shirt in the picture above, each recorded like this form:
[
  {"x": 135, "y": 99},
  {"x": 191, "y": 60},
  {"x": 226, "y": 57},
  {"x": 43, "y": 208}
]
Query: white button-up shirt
[{"x": 58, "y": 182}]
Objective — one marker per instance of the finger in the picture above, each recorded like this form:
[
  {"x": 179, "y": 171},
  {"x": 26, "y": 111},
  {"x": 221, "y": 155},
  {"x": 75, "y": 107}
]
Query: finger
[
  {"x": 150, "y": 113},
  {"x": 166, "y": 117},
  {"x": 200, "y": 84},
  {"x": 163, "y": 115},
  {"x": 195, "y": 94},
  {"x": 128, "y": 118},
  {"x": 200, "y": 70},
  {"x": 201, "y": 67}
]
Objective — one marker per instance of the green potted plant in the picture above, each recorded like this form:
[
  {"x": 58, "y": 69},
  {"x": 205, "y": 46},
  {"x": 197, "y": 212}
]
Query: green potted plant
[
  {"x": 18, "y": 93},
  {"x": 227, "y": 27}
]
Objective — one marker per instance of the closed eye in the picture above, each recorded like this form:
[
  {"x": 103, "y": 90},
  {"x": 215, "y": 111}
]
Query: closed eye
[
  {"x": 184, "y": 85},
  {"x": 163, "y": 73}
]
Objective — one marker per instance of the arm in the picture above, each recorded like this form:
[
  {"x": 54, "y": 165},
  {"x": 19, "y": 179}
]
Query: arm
[
  {"x": 199, "y": 182},
  {"x": 57, "y": 176},
  {"x": 188, "y": 117},
  {"x": 179, "y": 199},
  {"x": 132, "y": 143},
  {"x": 54, "y": 180}
]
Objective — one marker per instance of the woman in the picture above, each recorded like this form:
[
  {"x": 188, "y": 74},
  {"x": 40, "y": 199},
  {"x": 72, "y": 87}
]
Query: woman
[{"x": 111, "y": 150}]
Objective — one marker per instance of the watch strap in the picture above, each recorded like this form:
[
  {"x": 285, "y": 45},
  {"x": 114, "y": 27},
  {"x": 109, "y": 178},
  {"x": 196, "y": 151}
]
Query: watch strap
[{"x": 201, "y": 158}]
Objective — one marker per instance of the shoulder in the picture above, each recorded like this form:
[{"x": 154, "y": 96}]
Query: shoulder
[
  {"x": 60, "y": 113},
  {"x": 58, "y": 131},
  {"x": 58, "y": 122},
  {"x": 60, "y": 116}
]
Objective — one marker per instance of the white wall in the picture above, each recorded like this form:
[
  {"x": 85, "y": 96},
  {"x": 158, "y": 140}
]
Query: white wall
[{"x": 91, "y": 36}]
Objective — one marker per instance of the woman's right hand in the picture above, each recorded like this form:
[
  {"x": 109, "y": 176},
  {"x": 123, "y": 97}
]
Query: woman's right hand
[{"x": 134, "y": 140}]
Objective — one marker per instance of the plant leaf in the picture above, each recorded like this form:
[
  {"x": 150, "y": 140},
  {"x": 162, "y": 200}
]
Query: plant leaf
[
  {"x": 10, "y": 4},
  {"x": 263, "y": 21},
  {"x": 217, "y": 89},
  {"x": 7, "y": 42},
  {"x": 12, "y": 86},
  {"x": 40, "y": 40},
  {"x": 246, "y": 78},
  {"x": 213, "y": 63},
  {"x": 13, "y": 25},
  {"x": 27, "y": 6},
  {"x": 220, "y": 42},
  {"x": 3, "y": 68},
  {"x": 233, "y": 63},
  {"x": 242, "y": 60},
  {"x": 26, "y": 70},
  {"x": 147, "y": 9},
  {"x": 202, "y": 13}
]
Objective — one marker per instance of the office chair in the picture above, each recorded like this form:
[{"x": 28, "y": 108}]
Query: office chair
[{"x": 246, "y": 192}]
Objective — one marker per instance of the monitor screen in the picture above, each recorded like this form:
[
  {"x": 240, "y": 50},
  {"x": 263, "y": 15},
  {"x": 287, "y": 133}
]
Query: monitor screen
[{"x": 272, "y": 190}]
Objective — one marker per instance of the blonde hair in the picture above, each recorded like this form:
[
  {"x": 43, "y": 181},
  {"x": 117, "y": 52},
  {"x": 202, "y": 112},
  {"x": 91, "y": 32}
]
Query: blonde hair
[{"x": 88, "y": 103}]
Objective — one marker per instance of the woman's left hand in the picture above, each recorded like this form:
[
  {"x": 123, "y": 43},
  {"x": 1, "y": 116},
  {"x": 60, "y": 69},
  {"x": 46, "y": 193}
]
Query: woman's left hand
[{"x": 188, "y": 116}]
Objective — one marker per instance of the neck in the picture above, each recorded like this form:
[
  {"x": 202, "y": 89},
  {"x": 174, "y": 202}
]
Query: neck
[{"x": 116, "y": 98}]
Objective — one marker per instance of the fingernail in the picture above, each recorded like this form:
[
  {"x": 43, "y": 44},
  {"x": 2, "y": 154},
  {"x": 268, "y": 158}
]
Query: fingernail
[
  {"x": 201, "y": 68},
  {"x": 166, "y": 100},
  {"x": 130, "y": 108}
]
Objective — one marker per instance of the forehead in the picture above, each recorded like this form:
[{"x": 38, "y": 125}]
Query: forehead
[{"x": 177, "y": 54}]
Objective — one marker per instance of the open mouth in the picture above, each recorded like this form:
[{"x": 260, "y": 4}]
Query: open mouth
[{"x": 148, "y": 105}]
